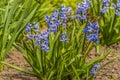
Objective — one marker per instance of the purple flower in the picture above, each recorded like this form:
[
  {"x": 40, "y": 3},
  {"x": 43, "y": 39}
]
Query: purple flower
[
  {"x": 105, "y": 6},
  {"x": 47, "y": 18},
  {"x": 105, "y": 3},
  {"x": 113, "y": 5},
  {"x": 104, "y": 10},
  {"x": 63, "y": 17},
  {"x": 92, "y": 37},
  {"x": 88, "y": 29},
  {"x": 82, "y": 9},
  {"x": 63, "y": 9},
  {"x": 29, "y": 26},
  {"x": 95, "y": 26},
  {"x": 96, "y": 66},
  {"x": 45, "y": 48},
  {"x": 92, "y": 29},
  {"x": 27, "y": 30},
  {"x": 93, "y": 72},
  {"x": 54, "y": 16},
  {"x": 36, "y": 37},
  {"x": 117, "y": 7},
  {"x": 38, "y": 43},
  {"x": 64, "y": 37},
  {"x": 53, "y": 28},
  {"x": 83, "y": 17},
  {"x": 36, "y": 26},
  {"x": 44, "y": 34},
  {"x": 117, "y": 13},
  {"x": 30, "y": 36},
  {"x": 42, "y": 38}
]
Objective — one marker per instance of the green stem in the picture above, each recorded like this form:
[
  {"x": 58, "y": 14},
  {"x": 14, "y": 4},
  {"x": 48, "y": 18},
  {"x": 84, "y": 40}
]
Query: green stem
[
  {"x": 1, "y": 67},
  {"x": 97, "y": 48},
  {"x": 19, "y": 69}
]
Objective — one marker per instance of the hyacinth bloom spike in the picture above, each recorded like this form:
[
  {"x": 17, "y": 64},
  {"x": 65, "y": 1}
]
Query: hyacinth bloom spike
[
  {"x": 93, "y": 30},
  {"x": 63, "y": 9},
  {"x": 117, "y": 12},
  {"x": 82, "y": 10},
  {"x": 105, "y": 6},
  {"x": 105, "y": 3},
  {"x": 117, "y": 7}
]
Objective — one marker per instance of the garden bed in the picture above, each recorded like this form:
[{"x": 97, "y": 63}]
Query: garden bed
[{"x": 110, "y": 72}]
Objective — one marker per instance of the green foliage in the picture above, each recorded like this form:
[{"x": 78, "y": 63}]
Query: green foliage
[
  {"x": 14, "y": 17},
  {"x": 65, "y": 60},
  {"x": 109, "y": 22},
  {"x": 110, "y": 28}
]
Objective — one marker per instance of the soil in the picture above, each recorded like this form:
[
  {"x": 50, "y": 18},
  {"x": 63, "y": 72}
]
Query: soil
[{"x": 109, "y": 72}]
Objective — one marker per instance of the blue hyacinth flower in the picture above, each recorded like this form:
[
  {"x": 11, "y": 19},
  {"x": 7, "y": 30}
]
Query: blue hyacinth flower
[
  {"x": 30, "y": 36},
  {"x": 96, "y": 66},
  {"x": 93, "y": 72}
]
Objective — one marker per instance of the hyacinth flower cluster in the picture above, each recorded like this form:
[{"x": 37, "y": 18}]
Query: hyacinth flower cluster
[
  {"x": 92, "y": 31},
  {"x": 59, "y": 19},
  {"x": 94, "y": 68},
  {"x": 54, "y": 21},
  {"x": 32, "y": 30},
  {"x": 117, "y": 7},
  {"x": 105, "y": 6},
  {"x": 82, "y": 10}
]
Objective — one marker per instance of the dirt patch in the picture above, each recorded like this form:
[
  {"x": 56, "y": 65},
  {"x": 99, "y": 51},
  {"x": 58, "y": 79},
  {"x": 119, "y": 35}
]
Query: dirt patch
[
  {"x": 16, "y": 58},
  {"x": 109, "y": 72},
  {"x": 112, "y": 70}
]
